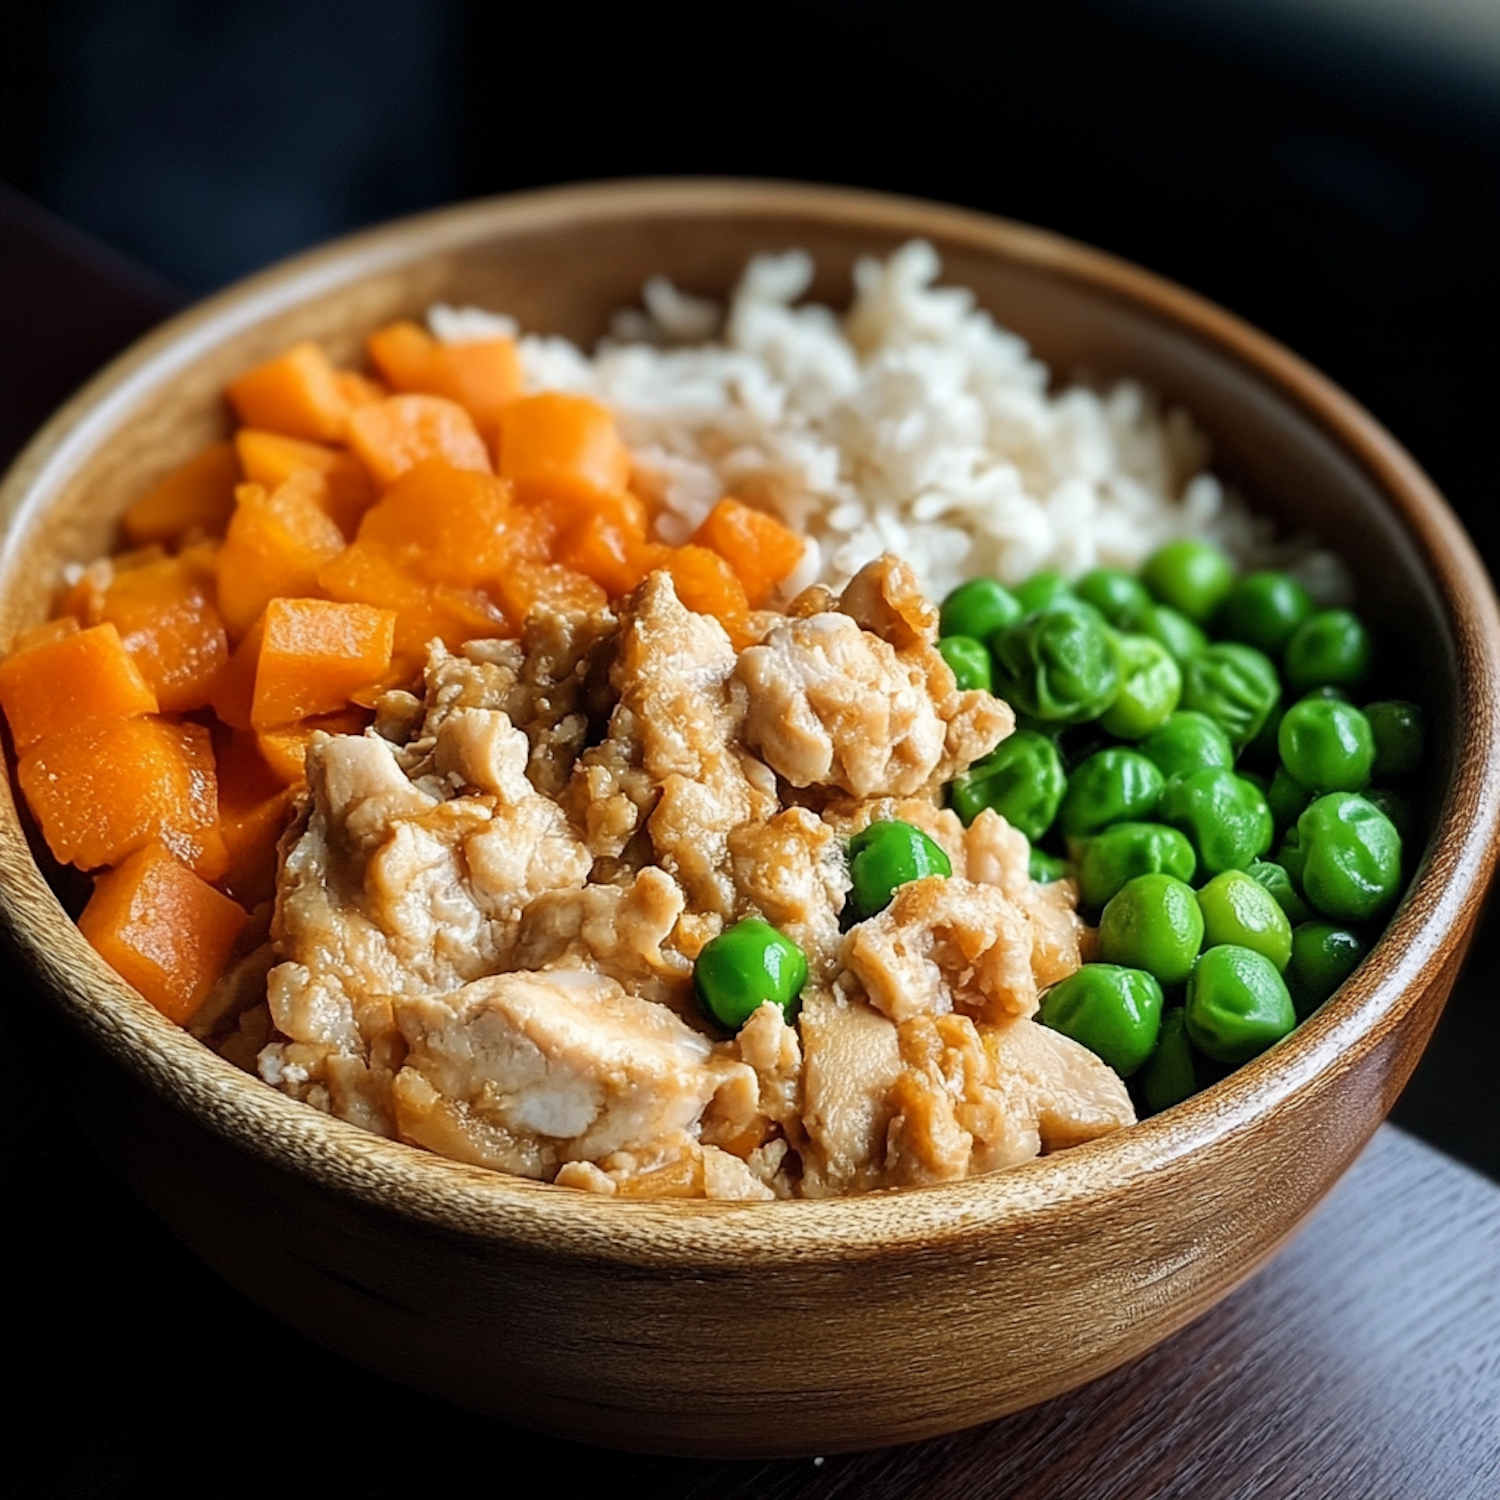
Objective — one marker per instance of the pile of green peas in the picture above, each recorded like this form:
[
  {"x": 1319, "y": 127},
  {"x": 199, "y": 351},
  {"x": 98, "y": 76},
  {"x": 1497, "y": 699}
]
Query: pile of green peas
[{"x": 1188, "y": 746}]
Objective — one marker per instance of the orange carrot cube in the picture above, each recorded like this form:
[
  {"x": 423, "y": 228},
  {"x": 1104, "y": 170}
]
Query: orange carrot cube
[
  {"x": 284, "y": 749},
  {"x": 196, "y": 497},
  {"x": 483, "y": 376},
  {"x": 529, "y": 586},
  {"x": 314, "y": 653},
  {"x": 107, "y": 787},
  {"x": 162, "y": 929},
  {"x": 254, "y": 808},
  {"x": 561, "y": 447},
  {"x": 391, "y": 436},
  {"x": 270, "y": 459},
  {"x": 296, "y": 393},
  {"x": 87, "y": 674},
  {"x": 757, "y": 546}
]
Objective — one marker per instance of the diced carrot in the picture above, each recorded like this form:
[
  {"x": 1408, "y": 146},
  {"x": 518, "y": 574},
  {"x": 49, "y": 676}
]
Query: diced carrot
[
  {"x": 196, "y": 497},
  {"x": 608, "y": 542},
  {"x": 457, "y": 521},
  {"x": 561, "y": 447},
  {"x": 757, "y": 546},
  {"x": 296, "y": 393},
  {"x": 87, "y": 674},
  {"x": 284, "y": 749},
  {"x": 270, "y": 459},
  {"x": 528, "y": 586},
  {"x": 106, "y": 787},
  {"x": 314, "y": 653},
  {"x": 162, "y": 929},
  {"x": 275, "y": 545},
  {"x": 706, "y": 583},
  {"x": 232, "y": 691},
  {"x": 169, "y": 625},
  {"x": 254, "y": 808},
  {"x": 45, "y": 633},
  {"x": 483, "y": 376},
  {"x": 391, "y": 436}
]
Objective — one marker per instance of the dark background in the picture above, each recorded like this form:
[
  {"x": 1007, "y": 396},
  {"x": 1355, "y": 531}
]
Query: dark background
[{"x": 1326, "y": 172}]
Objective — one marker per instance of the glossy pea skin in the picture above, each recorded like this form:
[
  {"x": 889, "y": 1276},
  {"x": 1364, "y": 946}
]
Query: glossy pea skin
[
  {"x": 1113, "y": 1011},
  {"x": 1332, "y": 649},
  {"x": 1125, "y": 850},
  {"x": 745, "y": 966},
  {"x": 1045, "y": 868},
  {"x": 1345, "y": 855},
  {"x": 1236, "y": 686},
  {"x": 1236, "y": 1005},
  {"x": 1237, "y": 909},
  {"x": 1150, "y": 686},
  {"x": 1153, "y": 923},
  {"x": 978, "y": 609},
  {"x": 1111, "y": 786},
  {"x": 1190, "y": 576},
  {"x": 1324, "y": 955},
  {"x": 1174, "y": 630},
  {"x": 1188, "y": 742},
  {"x": 1170, "y": 1074},
  {"x": 887, "y": 855},
  {"x": 969, "y": 661},
  {"x": 1327, "y": 746},
  {"x": 1400, "y": 730},
  {"x": 1119, "y": 596},
  {"x": 1059, "y": 665},
  {"x": 1264, "y": 610},
  {"x": 1044, "y": 590},
  {"x": 1225, "y": 818},
  {"x": 1286, "y": 797},
  {"x": 1022, "y": 779},
  {"x": 1276, "y": 880}
]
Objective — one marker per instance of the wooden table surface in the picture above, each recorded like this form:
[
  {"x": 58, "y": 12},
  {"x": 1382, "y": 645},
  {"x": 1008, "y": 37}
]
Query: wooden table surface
[{"x": 1364, "y": 1361}]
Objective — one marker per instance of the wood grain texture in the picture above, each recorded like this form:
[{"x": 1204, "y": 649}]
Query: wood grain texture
[{"x": 933, "y": 1309}]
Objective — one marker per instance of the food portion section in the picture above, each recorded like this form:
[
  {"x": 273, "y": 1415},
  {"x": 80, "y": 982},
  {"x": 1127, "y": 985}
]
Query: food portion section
[{"x": 560, "y": 764}]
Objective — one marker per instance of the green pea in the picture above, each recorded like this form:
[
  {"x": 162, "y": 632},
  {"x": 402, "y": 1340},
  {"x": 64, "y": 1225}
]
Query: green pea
[
  {"x": 1394, "y": 806},
  {"x": 1175, "y": 631},
  {"x": 978, "y": 608},
  {"x": 1286, "y": 798},
  {"x": 1153, "y": 923},
  {"x": 887, "y": 855},
  {"x": 1125, "y": 850},
  {"x": 745, "y": 966},
  {"x": 1190, "y": 576},
  {"x": 1323, "y": 957},
  {"x": 1236, "y": 1005},
  {"x": 1264, "y": 609},
  {"x": 1170, "y": 1075},
  {"x": 1238, "y": 909},
  {"x": 1400, "y": 731},
  {"x": 969, "y": 661},
  {"x": 1225, "y": 818},
  {"x": 1112, "y": 786},
  {"x": 1332, "y": 648},
  {"x": 1150, "y": 685},
  {"x": 1236, "y": 686},
  {"x": 1345, "y": 854},
  {"x": 1115, "y": 1012},
  {"x": 1276, "y": 880},
  {"x": 1045, "y": 868},
  {"x": 1328, "y": 747},
  {"x": 1060, "y": 665},
  {"x": 1022, "y": 779},
  {"x": 1188, "y": 742},
  {"x": 1328, "y": 693},
  {"x": 1119, "y": 596},
  {"x": 1044, "y": 590}
]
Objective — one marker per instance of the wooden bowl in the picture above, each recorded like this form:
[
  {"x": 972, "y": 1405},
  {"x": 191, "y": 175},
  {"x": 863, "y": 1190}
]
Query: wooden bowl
[{"x": 783, "y": 1328}]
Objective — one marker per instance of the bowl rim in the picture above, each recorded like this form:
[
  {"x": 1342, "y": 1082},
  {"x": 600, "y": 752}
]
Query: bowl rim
[{"x": 537, "y": 1217}]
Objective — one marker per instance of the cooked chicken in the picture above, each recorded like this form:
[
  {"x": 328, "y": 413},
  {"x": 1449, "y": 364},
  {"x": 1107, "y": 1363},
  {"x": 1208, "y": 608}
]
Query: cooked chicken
[{"x": 487, "y": 921}]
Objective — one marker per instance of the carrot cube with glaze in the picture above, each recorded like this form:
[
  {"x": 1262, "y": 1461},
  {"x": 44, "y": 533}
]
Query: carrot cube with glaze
[
  {"x": 197, "y": 496},
  {"x": 559, "y": 446},
  {"x": 284, "y": 748},
  {"x": 254, "y": 804},
  {"x": 483, "y": 376},
  {"x": 757, "y": 546},
  {"x": 315, "y": 653},
  {"x": 296, "y": 393},
  {"x": 391, "y": 436},
  {"x": 107, "y": 787},
  {"x": 162, "y": 929},
  {"x": 270, "y": 459},
  {"x": 86, "y": 674}
]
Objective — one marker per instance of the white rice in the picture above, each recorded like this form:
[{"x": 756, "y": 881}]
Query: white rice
[{"x": 913, "y": 424}]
